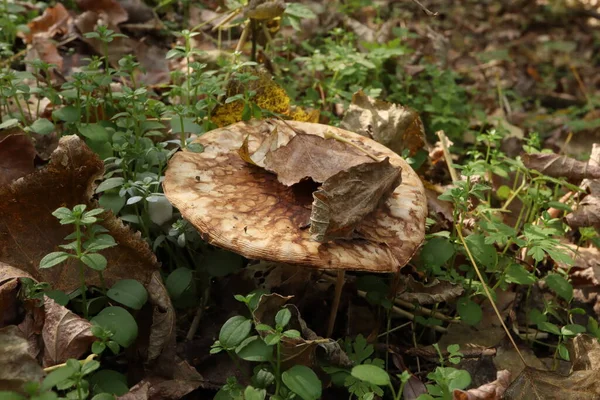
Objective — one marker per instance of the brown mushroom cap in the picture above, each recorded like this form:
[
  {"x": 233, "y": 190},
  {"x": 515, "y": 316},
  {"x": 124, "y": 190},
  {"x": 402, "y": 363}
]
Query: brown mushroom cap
[{"x": 243, "y": 208}]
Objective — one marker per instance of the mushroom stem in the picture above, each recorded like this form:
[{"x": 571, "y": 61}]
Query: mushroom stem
[{"x": 339, "y": 285}]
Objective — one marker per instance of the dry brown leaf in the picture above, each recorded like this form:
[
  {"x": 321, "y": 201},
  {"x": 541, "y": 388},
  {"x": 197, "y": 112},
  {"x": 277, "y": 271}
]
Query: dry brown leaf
[
  {"x": 490, "y": 391},
  {"x": 392, "y": 125},
  {"x": 44, "y": 49},
  {"x": 586, "y": 214},
  {"x": 347, "y": 197},
  {"x": 586, "y": 353},
  {"x": 52, "y": 20},
  {"x": 546, "y": 385},
  {"x": 184, "y": 380},
  {"x": 29, "y": 233},
  {"x": 65, "y": 334},
  {"x": 16, "y": 157},
  {"x": 17, "y": 366},
  {"x": 138, "y": 11},
  {"x": 261, "y": 9},
  {"x": 311, "y": 156},
  {"x": 560, "y": 166},
  {"x": 111, "y": 8},
  {"x": 434, "y": 292}
]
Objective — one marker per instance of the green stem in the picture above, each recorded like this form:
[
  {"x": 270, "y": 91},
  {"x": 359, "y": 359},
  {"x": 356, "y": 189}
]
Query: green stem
[
  {"x": 81, "y": 269},
  {"x": 278, "y": 370}
]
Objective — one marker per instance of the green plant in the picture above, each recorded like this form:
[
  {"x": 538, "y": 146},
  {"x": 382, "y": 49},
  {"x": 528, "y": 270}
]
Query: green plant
[{"x": 265, "y": 348}]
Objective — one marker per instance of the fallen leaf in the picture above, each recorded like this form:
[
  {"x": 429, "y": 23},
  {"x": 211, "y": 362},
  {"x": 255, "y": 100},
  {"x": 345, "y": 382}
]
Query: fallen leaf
[
  {"x": 52, "y": 20},
  {"x": 184, "y": 380},
  {"x": 547, "y": 385},
  {"x": 302, "y": 350},
  {"x": 586, "y": 353},
  {"x": 28, "y": 234},
  {"x": 138, "y": 11},
  {"x": 434, "y": 292},
  {"x": 111, "y": 8},
  {"x": 490, "y": 391},
  {"x": 347, "y": 197},
  {"x": 44, "y": 49},
  {"x": 119, "y": 46},
  {"x": 392, "y": 125},
  {"x": 560, "y": 166},
  {"x": 65, "y": 334},
  {"x": 311, "y": 156},
  {"x": 9, "y": 304},
  {"x": 18, "y": 367},
  {"x": 17, "y": 154}
]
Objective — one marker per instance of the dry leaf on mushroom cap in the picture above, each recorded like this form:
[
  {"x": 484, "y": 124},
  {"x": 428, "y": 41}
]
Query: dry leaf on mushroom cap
[{"x": 245, "y": 209}]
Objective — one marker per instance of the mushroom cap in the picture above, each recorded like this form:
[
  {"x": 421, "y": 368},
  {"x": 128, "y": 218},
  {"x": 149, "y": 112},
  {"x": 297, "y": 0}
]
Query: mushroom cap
[{"x": 243, "y": 208}]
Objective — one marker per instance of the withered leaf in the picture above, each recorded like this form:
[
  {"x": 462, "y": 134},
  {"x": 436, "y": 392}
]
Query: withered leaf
[
  {"x": 560, "y": 166},
  {"x": 311, "y": 156},
  {"x": 347, "y": 197},
  {"x": 435, "y": 292},
  {"x": 586, "y": 353},
  {"x": 65, "y": 334},
  {"x": 543, "y": 385},
  {"x": 16, "y": 157},
  {"x": 18, "y": 367},
  {"x": 260, "y": 9},
  {"x": 29, "y": 233},
  {"x": 490, "y": 391},
  {"x": 392, "y": 125},
  {"x": 53, "y": 19},
  {"x": 586, "y": 214}
]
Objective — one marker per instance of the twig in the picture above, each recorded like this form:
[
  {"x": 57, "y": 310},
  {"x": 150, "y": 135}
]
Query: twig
[
  {"x": 443, "y": 142},
  {"x": 425, "y": 9}
]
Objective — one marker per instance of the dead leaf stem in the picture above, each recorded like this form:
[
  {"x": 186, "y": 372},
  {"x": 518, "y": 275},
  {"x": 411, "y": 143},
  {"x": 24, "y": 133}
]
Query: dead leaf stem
[
  {"x": 82, "y": 362},
  {"x": 443, "y": 142},
  {"x": 332, "y": 135}
]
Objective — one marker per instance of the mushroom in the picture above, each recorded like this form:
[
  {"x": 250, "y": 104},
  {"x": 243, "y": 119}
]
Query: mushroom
[{"x": 244, "y": 209}]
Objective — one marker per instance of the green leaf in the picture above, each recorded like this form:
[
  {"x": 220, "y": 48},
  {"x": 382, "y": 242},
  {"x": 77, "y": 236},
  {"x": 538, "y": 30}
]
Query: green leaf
[
  {"x": 94, "y": 132},
  {"x": 103, "y": 396},
  {"x": 110, "y": 183},
  {"x": 458, "y": 378},
  {"x": 437, "y": 251},
  {"x": 234, "y": 331},
  {"x": 179, "y": 281},
  {"x": 549, "y": 327},
  {"x": 119, "y": 321},
  {"x": 58, "y": 296},
  {"x": 109, "y": 381},
  {"x": 254, "y": 349},
  {"x": 469, "y": 311},
  {"x": 372, "y": 374},
  {"x": 67, "y": 114},
  {"x": 303, "y": 381},
  {"x": 128, "y": 292},
  {"x": 560, "y": 286},
  {"x": 484, "y": 253},
  {"x": 100, "y": 242},
  {"x": 42, "y": 126},
  {"x": 9, "y": 123},
  {"x": 112, "y": 202},
  {"x": 98, "y": 347},
  {"x": 516, "y": 273},
  {"x": 299, "y": 10},
  {"x": 52, "y": 259},
  {"x": 572, "y": 329},
  {"x": 94, "y": 261},
  {"x": 563, "y": 352},
  {"x": 282, "y": 318},
  {"x": 254, "y": 394},
  {"x": 55, "y": 377}
]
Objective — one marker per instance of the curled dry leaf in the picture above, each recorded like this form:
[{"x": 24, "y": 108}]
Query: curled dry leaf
[
  {"x": 44, "y": 49},
  {"x": 311, "y": 156},
  {"x": 490, "y": 391},
  {"x": 434, "y": 292},
  {"x": 347, "y": 197},
  {"x": 54, "y": 19},
  {"x": 28, "y": 234},
  {"x": 245, "y": 209},
  {"x": 65, "y": 334},
  {"x": 560, "y": 166},
  {"x": 586, "y": 214},
  {"x": 16, "y": 157},
  {"x": 18, "y": 367},
  {"x": 392, "y": 125}
]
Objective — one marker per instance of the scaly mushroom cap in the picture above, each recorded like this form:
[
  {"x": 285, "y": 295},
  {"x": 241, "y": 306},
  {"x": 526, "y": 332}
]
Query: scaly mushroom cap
[{"x": 243, "y": 208}]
